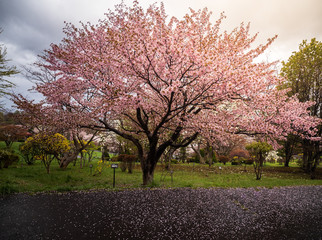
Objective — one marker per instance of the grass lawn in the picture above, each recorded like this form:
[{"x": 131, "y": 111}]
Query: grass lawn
[{"x": 33, "y": 178}]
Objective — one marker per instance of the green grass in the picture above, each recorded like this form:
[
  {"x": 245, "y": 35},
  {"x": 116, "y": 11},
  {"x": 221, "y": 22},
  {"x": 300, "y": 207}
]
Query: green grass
[
  {"x": 33, "y": 178},
  {"x": 236, "y": 176},
  {"x": 24, "y": 178}
]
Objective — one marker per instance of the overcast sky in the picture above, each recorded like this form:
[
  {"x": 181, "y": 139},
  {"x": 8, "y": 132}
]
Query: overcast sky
[{"x": 30, "y": 26}]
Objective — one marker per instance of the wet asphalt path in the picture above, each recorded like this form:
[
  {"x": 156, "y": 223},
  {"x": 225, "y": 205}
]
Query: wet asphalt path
[{"x": 279, "y": 213}]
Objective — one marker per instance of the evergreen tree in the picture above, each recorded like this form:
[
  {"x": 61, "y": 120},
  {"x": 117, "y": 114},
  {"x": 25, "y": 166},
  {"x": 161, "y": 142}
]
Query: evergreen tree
[{"x": 5, "y": 71}]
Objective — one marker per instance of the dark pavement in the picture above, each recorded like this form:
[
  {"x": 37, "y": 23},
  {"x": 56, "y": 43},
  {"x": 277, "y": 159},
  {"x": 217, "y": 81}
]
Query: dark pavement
[{"x": 278, "y": 213}]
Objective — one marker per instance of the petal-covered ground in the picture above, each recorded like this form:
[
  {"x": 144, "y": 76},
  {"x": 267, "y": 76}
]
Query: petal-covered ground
[{"x": 278, "y": 213}]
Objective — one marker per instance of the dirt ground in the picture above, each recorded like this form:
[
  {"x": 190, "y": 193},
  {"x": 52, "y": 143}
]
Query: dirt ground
[{"x": 278, "y": 213}]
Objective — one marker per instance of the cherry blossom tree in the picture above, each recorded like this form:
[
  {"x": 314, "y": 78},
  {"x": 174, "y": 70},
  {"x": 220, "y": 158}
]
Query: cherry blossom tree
[{"x": 160, "y": 82}]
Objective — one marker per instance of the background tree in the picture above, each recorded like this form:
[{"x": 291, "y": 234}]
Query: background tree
[
  {"x": 232, "y": 142},
  {"x": 303, "y": 71},
  {"x": 196, "y": 146},
  {"x": 10, "y": 118},
  {"x": 5, "y": 71},
  {"x": 11, "y": 129},
  {"x": 160, "y": 83},
  {"x": 291, "y": 146},
  {"x": 88, "y": 151},
  {"x": 12, "y": 133},
  {"x": 204, "y": 151}
]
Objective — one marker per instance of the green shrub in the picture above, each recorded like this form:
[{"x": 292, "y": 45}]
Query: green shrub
[{"x": 7, "y": 158}]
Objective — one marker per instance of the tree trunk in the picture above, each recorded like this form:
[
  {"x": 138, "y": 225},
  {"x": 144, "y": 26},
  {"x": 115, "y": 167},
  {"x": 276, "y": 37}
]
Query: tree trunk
[
  {"x": 304, "y": 158},
  {"x": 258, "y": 169},
  {"x": 8, "y": 143},
  {"x": 168, "y": 157},
  {"x": 81, "y": 161},
  {"x": 148, "y": 165},
  {"x": 209, "y": 154},
  {"x": 72, "y": 156},
  {"x": 288, "y": 152},
  {"x": 47, "y": 166},
  {"x": 316, "y": 159},
  {"x": 67, "y": 159},
  {"x": 308, "y": 155},
  {"x": 258, "y": 165},
  {"x": 46, "y": 163},
  {"x": 316, "y": 163},
  {"x": 197, "y": 151},
  {"x": 147, "y": 177},
  {"x": 154, "y": 149},
  {"x": 261, "y": 159}
]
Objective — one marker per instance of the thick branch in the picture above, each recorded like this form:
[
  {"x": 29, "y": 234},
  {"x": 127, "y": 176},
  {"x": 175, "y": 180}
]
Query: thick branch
[
  {"x": 126, "y": 136},
  {"x": 143, "y": 124},
  {"x": 185, "y": 142}
]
